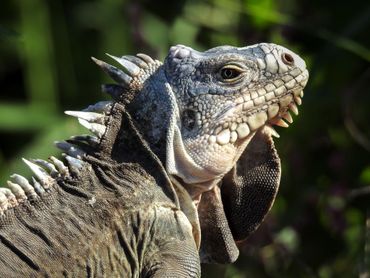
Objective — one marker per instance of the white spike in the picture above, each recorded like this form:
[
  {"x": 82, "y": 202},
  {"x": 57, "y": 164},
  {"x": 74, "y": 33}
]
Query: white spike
[
  {"x": 74, "y": 162},
  {"x": 12, "y": 200},
  {"x": 136, "y": 60},
  {"x": 272, "y": 131},
  {"x": 40, "y": 174},
  {"x": 24, "y": 183},
  {"x": 288, "y": 117},
  {"x": 281, "y": 123},
  {"x": 6, "y": 191},
  {"x": 130, "y": 67},
  {"x": 17, "y": 191},
  {"x": 97, "y": 129},
  {"x": 3, "y": 202},
  {"x": 70, "y": 149},
  {"x": 89, "y": 139},
  {"x": 59, "y": 166},
  {"x": 294, "y": 108},
  {"x": 100, "y": 107},
  {"x": 48, "y": 166},
  {"x": 38, "y": 187},
  {"x": 298, "y": 100},
  {"x": 145, "y": 58},
  {"x": 87, "y": 116},
  {"x": 116, "y": 74}
]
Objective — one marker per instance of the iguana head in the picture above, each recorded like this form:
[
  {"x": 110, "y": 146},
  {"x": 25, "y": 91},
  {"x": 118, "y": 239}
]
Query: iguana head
[{"x": 224, "y": 95}]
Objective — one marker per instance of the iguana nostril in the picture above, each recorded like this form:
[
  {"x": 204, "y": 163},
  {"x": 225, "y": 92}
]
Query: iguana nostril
[{"x": 287, "y": 59}]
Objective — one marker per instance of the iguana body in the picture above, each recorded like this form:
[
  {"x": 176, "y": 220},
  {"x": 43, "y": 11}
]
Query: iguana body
[{"x": 183, "y": 159}]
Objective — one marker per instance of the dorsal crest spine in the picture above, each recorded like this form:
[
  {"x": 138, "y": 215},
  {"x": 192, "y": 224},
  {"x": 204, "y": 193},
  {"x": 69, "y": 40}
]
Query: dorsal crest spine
[{"x": 135, "y": 71}]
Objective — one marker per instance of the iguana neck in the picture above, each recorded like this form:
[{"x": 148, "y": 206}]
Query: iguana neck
[
  {"x": 156, "y": 116},
  {"x": 151, "y": 159}
]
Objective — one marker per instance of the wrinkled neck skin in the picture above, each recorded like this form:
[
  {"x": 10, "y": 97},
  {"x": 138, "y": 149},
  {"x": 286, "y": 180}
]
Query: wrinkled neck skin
[
  {"x": 183, "y": 170},
  {"x": 157, "y": 115}
]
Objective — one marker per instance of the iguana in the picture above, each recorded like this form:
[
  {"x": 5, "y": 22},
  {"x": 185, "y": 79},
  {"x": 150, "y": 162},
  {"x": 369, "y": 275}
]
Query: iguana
[{"x": 181, "y": 166}]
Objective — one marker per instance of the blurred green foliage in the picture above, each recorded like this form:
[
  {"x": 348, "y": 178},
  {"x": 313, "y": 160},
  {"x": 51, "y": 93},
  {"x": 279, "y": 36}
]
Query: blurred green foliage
[{"x": 317, "y": 225}]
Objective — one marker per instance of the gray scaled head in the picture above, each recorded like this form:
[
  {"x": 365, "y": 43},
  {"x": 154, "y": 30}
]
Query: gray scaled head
[{"x": 224, "y": 95}]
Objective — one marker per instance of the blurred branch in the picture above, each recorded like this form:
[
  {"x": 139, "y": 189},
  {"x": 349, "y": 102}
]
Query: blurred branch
[
  {"x": 25, "y": 117},
  {"x": 37, "y": 52},
  {"x": 359, "y": 193}
]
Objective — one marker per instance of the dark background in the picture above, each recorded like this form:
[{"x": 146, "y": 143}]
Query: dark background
[{"x": 317, "y": 225}]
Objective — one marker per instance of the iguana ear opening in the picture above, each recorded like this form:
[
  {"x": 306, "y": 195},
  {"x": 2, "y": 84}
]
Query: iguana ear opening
[
  {"x": 249, "y": 189},
  {"x": 232, "y": 211}
]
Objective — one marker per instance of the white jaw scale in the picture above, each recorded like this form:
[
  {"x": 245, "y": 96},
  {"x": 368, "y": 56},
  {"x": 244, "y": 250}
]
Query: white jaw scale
[{"x": 266, "y": 106}]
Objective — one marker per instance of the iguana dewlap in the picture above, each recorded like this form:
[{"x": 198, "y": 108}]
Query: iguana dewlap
[{"x": 182, "y": 159}]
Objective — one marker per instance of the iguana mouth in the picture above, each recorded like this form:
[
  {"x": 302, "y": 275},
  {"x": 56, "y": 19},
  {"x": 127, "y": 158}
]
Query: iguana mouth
[{"x": 269, "y": 105}]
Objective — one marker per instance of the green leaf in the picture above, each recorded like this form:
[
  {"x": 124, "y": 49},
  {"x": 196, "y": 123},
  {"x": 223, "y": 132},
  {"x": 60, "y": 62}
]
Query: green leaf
[
  {"x": 156, "y": 32},
  {"x": 220, "y": 18},
  {"x": 288, "y": 237},
  {"x": 184, "y": 32},
  {"x": 265, "y": 12},
  {"x": 37, "y": 51},
  {"x": 22, "y": 117},
  {"x": 365, "y": 175}
]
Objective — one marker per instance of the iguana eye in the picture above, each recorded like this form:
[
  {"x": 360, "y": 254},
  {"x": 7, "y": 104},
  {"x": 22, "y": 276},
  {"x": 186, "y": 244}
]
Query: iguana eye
[{"x": 230, "y": 73}]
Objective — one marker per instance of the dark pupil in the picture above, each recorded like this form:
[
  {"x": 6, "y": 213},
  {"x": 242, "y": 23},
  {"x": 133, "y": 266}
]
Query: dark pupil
[{"x": 229, "y": 73}]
